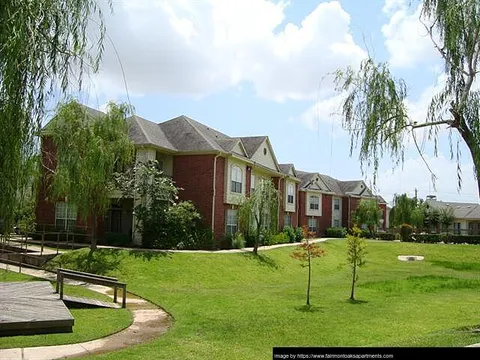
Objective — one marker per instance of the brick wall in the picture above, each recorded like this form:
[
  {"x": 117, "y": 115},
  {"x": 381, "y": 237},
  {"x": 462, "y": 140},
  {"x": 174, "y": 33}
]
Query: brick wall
[
  {"x": 45, "y": 211},
  {"x": 325, "y": 221},
  {"x": 194, "y": 174}
]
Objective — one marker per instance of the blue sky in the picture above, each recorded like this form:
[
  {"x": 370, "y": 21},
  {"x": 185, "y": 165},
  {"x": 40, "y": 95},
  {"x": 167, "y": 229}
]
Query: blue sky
[{"x": 261, "y": 67}]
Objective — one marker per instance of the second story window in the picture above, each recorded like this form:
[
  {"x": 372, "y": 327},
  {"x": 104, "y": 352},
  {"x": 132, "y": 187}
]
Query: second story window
[
  {"x": 314, "y": 202},
  {"x": 237, "y": 177},
  {"x": 290, "y": 193},
  {"x": 336, "y": 204}
]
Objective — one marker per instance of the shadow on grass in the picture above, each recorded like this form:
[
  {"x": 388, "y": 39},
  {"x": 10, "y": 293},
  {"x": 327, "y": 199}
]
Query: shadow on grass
[
  {"x": 99, "y": 262},
  {"x": 309, "y": 309},
  {"x": 262, "y": 260},
  {"x": 357, "y": 302},
  {"x": 460, "y": 266},
  {"x": 149, "y": 255}
]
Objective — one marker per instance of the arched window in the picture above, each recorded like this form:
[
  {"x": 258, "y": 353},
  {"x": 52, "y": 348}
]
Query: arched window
[
  {"x": 290, "y": 193},
  {"x": 237, "y": 179}
]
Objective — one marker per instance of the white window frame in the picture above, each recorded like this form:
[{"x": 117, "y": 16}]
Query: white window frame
[
  {"x": 236, "y": 181},
  {"x": 336, "y": 223},
  {"x": 289, "y": 217},
  {"x": 252, "y": 183},
  {"x": 311, "y": 222},
  {"x": 231, "y": 222},
  {"x": 290, "y": 194},
  {"x": 336, "y": 204},
  {"x": 314, "y": 205},
  {"x": 66, "y": 213}
]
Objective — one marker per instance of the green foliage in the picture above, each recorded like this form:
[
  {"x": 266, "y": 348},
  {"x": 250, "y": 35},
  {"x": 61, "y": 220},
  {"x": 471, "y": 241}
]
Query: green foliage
[
  {"x": 163, "y": 222},
  {"x": 406, "y": 231},
  {"x": 432, "y": 218},
  {"x": 336, "y": 232},
  {"x": 401, "y": 212},
  {"x": 374, "y": 110},
  {"x": 446, "y": 238},
  {"x": 298, "y": 234},
  {"x": 356, "y": 253},
  {"x": 238, "y": 241},
  {"x": 290, "y": 232},
  {"x": 280, "y": 238},
  {"x": 368, "y": 213},
  {"x": 386, "y": 236},
  {"x": 89, "y": 150},
  {"x": 42, "y": 42},
  {"x": 258, "y": 213},
  {"x": 116, "y": 239},
  {"x": 446, "y": 217}
]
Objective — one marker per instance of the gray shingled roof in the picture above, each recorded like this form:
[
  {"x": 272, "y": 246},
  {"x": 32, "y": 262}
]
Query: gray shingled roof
[
  {"x": 90, "y": 112},
  {"x": 285, "y": 168},
  {"x": 189, "y": 135},
  {"x": 307, "y": 178},
  {"x": 468, "y": 211},
  {"x": 332, "y": 184},
  {"x": 144, "y": 132},
  {"x": 252, "y": 143},
  {"x": 348, "y": 186}
]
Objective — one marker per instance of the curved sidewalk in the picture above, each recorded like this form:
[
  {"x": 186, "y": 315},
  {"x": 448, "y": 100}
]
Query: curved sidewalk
[{"x": 148, "y": 323}]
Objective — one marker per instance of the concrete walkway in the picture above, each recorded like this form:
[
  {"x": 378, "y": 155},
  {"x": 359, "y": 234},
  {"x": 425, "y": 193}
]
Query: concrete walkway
[{"x": 148, "y": 323}]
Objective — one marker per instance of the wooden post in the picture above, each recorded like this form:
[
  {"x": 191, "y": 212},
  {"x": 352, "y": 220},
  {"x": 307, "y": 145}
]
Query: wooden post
[
  {"x": 115, "y": 294},
  {"x": 124, "y": 300},
  {"x": 58, "y": 239},
  {"x": 61, "y": 286},
  {"x": 58, "y": 280},
  {"x": 43, "y": 239}
]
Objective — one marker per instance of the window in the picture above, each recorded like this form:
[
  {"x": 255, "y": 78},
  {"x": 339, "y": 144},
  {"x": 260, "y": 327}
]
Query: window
[
  {"x": 456, "y": 228},
  {"x": 336, "y": 223},
  {"x": 287, "y": 220},
  {"x": 336, "y": 204},
  {"x": 159, "y": 158},
  {"x": 252, "y": 183},
  {"x": 290, "y": 193},
  {"x": 232, "y": 222},
  {"x": 236, "y": 183},
  {"x": 65, "y": 215},
  {"x": 312, "y": 225},
  {"x": 314, "y": 202}
]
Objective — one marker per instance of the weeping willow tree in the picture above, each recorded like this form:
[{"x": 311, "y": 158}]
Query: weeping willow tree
[
  {"x": 259, "y": 212},
  {"x": 90, "y": 149},
  {"x": 41, "y": 43},
  {"x": 374, "y": 110}
]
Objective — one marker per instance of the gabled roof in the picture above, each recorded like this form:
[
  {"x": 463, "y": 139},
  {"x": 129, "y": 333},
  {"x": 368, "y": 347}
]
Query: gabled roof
[
  {"x": 90, "y": 112},
  {"x": 144, "y": 132},
  {"x": 252, "y": 143},
  {"x": 312, "y": 181},
  {"x": 468, "y": 211},
  {"x": 189, "y": 135},
  {"x": 287, "y": 169},
  {"x": 332, "y": 184}
]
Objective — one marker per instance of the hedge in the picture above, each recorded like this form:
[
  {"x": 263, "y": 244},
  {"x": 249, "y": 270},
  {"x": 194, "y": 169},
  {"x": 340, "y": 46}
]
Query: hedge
[
  {"x": 336, "y": 232},
  {"x": 446, "y": 238},
  {"x": 386, "y": 236}
]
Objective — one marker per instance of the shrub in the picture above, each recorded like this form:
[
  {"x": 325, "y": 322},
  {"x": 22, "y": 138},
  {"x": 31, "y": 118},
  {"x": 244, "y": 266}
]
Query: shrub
[
  {"x": 469, "y": 239},
  {"x": 336, "y": 232},
  {"x": 116, "y": 239},
  {"x": 290, "y": 232},
  {"x": 238, "y": 241},
  {"x": 406, "y": 231},
  {"x": 386, "y": 236},
  {"x": 280, "y": 238},
  {"x": 298, "y": 234},
  {"x": 200, "y": 239},
  {"x": 226, "y": 242}
]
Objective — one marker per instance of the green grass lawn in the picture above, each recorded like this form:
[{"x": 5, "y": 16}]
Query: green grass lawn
[
  {"x": 237, "y": 306},
  {"x": 89, "y": 323}
]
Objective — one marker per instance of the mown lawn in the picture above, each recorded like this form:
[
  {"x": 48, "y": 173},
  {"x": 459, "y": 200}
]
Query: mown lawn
[
  {"x": 237, "y": 306},
  {"x": 89, "y": 323}
]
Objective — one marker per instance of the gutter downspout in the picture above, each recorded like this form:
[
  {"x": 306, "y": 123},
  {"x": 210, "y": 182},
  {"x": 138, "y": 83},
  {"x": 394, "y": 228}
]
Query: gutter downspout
[{"x": 214, "y": 191}]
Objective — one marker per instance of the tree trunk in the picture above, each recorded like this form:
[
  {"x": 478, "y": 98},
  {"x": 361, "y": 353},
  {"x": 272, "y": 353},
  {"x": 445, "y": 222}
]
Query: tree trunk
[
  {"x": 93, "y": 245},
  {"x": 352, "y": 294},
  {"x": 472, "y": 146},
  {"x": 309, "y": 278}
]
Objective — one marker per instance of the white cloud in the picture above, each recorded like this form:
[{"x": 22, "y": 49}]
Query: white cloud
[
  {"x": 201, "y": 47},
  {"x": 406, "y": 39},
  {"x": 415, "y": 175}
]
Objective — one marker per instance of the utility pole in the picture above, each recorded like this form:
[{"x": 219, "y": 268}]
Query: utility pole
[{"x": 416, "y": 191}]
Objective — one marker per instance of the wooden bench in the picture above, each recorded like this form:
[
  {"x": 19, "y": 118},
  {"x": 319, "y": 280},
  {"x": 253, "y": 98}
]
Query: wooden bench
[{"x": 92, "y": 279}]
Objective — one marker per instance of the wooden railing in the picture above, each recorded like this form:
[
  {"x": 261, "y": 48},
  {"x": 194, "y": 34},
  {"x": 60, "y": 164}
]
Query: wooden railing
[{"x": 112, "y": 282}]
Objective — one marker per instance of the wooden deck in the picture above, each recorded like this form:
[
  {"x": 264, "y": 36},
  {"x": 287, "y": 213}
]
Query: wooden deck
[
  {"x": 81, "y": 302},
  {"x": 32, "y": 307}
]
